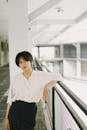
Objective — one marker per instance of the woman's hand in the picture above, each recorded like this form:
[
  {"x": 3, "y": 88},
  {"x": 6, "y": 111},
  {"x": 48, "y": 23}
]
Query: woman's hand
[
  {"x": 6, "y": 124},
  {"x": 45, "y": 93},
  {"x": 46, "y": 89}
]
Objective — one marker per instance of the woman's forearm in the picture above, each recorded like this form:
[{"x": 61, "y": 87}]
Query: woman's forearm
[
  {"x": 50, "y": 84},
  {"x": 47, "y": 87},
  {"x": 7, "y": 111}
]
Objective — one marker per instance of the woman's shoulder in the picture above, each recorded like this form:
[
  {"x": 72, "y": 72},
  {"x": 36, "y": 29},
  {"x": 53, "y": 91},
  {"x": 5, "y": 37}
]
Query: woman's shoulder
[
  {"x": 17, "y": 76},
  {"x": 38, "y": 72}
]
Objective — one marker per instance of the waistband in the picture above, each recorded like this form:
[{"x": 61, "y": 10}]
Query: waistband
[{"x": 20, "y": 101}]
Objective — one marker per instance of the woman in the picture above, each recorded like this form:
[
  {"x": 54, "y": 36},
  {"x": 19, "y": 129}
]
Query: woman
[{"x": 26, "y": 89}]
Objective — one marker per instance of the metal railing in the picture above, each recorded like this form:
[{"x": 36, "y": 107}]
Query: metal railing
[
  {"x": 74, "y": 115},
  {"x": 74, "y": 97}
]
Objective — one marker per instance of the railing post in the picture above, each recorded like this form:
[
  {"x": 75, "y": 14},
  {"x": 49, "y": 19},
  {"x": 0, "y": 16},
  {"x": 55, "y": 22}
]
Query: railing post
[{"x": 53, "y": 108}]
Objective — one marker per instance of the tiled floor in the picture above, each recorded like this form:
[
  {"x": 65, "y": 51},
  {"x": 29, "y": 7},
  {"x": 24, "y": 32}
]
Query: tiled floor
[{"x": 4, "y": 84}]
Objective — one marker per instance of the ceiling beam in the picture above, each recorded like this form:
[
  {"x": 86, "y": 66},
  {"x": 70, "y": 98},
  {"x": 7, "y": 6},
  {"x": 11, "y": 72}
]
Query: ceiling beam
[
  {"x": 54, "y": 21},
  {"x": 45, "y": 7},
  {"x": 77, "y": 20},
  {"x": 81, "y": 17},
  {"x": 74, "y": 22},
  {"x": 58, "y": 33}
]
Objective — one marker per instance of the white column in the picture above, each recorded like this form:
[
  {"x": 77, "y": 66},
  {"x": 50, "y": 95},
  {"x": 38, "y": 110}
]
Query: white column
[
  {"x": 78, "y": 61},
  {"x": 61, "y": 50},
  {"x": 18, "y": 31}
]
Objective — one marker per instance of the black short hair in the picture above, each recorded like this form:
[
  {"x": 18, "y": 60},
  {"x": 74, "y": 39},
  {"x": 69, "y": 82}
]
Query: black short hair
[{"x": 27, "y": 56}]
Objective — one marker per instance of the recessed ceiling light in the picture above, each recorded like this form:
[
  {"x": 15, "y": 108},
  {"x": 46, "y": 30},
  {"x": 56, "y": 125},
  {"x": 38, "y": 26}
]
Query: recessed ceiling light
[
  {"x": 59, "y": 9},
  {"x": 29, "y": 28}
]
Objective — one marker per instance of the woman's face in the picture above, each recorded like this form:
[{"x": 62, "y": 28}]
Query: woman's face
[{"x": 24, "y": 65}]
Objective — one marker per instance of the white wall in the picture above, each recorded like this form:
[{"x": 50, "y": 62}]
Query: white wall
[{"x": 69, "y": 68}]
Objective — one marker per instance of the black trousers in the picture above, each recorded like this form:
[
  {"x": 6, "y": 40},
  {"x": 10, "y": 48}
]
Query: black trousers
[{"x": 22, "y": 115}]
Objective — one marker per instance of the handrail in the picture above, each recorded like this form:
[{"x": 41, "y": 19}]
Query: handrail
[
  {"x": 75, "y": 116},
  {"x": 73, "y": 96},
  {"x": 77, "y": 100}
]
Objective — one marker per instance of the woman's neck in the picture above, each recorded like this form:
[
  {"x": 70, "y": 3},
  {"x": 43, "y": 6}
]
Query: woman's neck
[{"x": 27, "y": 73}]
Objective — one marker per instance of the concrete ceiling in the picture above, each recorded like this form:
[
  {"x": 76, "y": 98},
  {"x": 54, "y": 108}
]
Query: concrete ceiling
[
  {"x": 51, "y": 21},
  {"x": 56, "y": 17}
]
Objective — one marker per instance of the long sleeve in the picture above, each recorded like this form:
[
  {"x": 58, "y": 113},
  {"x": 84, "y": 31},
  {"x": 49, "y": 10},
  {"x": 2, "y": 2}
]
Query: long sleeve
[
  {"x": 52, "y": 76},
  {"x": 10, "y": 94}
]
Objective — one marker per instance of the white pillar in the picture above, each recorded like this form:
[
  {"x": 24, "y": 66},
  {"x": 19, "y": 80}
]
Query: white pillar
[
  {"x": 18, "y": 31},
  {"x": 61, "y": 50},
  {"x": 78, "y": 61}
]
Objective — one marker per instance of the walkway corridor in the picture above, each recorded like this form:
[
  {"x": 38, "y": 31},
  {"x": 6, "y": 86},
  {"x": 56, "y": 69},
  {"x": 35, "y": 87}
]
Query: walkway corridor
[{"x": 4, "y": 84}]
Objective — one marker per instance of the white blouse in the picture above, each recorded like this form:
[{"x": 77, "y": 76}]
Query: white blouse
[{"x": 29, "y": 90}]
